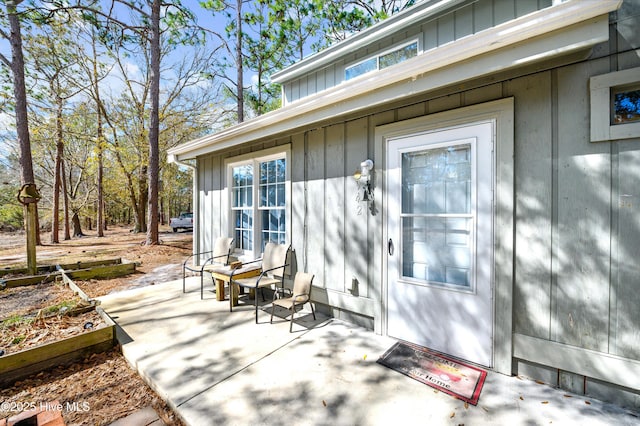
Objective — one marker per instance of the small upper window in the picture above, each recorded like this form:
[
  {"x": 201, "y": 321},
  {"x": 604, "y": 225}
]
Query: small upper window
[
  {"x": 615, "y": 105},
  {"x": 383, "y": 60},
  {"x": 400, "y": 55},
  {"x": 363, "y": 67},
  {"x": 626, "y": 103}
]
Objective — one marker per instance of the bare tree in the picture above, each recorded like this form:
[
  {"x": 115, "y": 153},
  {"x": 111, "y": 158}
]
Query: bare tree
[
  {"x": 55, "y": 61},
  {"x": 146, "y": 31}
]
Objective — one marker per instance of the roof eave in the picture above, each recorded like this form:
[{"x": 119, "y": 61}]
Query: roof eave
[
  {"x": 430, "y": 70},
  {"x": 365, "y": 37}
]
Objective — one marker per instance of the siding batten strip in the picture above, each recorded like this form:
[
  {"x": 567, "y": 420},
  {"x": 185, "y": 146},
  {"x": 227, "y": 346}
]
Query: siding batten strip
[{"x": 553, "y": 331}]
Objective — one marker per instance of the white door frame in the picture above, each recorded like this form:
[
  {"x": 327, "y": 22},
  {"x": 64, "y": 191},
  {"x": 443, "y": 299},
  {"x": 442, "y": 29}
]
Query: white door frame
[{"x": 502, "y": 112}]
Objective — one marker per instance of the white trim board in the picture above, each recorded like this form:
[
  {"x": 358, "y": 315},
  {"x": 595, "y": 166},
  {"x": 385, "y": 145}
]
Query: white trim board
[
  {"x": 600, "y": 88},
  {"x": 597, "y": 365}
]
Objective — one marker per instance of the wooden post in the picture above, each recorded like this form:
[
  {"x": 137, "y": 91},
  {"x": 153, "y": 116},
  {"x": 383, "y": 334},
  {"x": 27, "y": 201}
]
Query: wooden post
[
  {"x": 29, "y": 196},
  {"x": 31, "y": 238}
]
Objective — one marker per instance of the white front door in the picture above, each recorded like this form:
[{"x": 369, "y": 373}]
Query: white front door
[{"x": 440, "y": 227}]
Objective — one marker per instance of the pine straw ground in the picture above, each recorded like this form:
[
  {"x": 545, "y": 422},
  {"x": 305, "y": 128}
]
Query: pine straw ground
[
  {"x": 98, "y": 391},
  {"x": 103, "y": 387}
]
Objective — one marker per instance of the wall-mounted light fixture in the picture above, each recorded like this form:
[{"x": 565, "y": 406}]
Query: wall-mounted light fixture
[{"x": 364, "y": 179}]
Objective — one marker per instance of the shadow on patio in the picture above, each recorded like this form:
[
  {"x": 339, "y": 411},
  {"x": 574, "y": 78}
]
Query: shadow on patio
[{"x": 219, "y": 367}]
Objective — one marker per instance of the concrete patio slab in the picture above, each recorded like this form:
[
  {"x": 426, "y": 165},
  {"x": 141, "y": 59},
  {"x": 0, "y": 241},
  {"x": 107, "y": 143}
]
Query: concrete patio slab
[{"x": 218, "y": 367}]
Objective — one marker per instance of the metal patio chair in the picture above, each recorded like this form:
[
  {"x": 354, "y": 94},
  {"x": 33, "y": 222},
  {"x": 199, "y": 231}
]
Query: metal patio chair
[
  {"x": 219, "y": 255},
  {"x": 274, "y": 264},
  {"x": 300, "y": 295}
]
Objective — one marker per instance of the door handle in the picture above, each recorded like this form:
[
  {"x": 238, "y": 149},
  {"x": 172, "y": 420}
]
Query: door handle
[{"x": 390, "y": 247}]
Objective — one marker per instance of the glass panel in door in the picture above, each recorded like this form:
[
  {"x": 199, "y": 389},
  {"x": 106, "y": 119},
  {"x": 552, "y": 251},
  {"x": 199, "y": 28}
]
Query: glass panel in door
[{"x": 436, "y": 217}]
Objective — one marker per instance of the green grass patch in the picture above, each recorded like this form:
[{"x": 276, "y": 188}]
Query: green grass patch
[
  {"x": 62, "y": 307},
  {"x": 15, "y": 320}
]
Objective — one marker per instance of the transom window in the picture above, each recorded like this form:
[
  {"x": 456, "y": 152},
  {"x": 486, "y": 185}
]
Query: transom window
[
  {"x": 259, "y": 189},
  {"x": 382, "y": 60}
]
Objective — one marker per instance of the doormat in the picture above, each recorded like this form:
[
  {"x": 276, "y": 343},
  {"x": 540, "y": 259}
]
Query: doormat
[{"x": 451, "y": 376}]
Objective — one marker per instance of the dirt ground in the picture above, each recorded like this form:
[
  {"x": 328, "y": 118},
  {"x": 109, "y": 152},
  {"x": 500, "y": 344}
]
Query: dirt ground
[{"x": 104, "y": 386}]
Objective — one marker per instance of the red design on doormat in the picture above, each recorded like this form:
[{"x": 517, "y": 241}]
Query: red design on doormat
[{"x": 447, "y": 374}]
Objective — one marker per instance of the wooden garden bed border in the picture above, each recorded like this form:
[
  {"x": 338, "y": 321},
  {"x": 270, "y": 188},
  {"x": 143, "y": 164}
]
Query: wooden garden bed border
[
  {"x": 110, "y": 268},
  {"x": 52, "y": 268},
  {"x": 20, "y": 365},
  {"x": 25, "y": 363}
]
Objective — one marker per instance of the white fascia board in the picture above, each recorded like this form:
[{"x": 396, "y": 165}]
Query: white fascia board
[
  {"x": 364, "y": 38},
  {"x": 562, "y": 29}
]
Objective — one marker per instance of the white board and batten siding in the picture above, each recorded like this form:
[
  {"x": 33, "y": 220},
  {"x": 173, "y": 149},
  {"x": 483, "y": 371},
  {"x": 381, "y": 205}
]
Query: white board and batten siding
[
  {"x": 573, "y": 229},
  {"x": 575, "y": 295},
  {"x": 336, "y": 240},
  {"x": 210, "y": 215},
  {"x": 577, "y": 230},
  {"x": 459, "y": 22}
]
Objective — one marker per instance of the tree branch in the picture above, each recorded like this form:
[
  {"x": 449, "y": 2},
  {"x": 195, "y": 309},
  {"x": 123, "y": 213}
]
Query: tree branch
[
  {"x": 140, "y": 30},
  {"x": 6, "y": 61}
]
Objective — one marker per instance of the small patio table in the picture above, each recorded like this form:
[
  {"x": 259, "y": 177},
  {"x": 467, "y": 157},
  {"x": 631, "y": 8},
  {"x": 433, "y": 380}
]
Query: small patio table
[{"x": 223, "y": 275}]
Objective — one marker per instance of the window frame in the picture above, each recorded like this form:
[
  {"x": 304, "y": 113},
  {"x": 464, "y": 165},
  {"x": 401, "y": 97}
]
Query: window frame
[
  {"x": 255, "y": 159},
  {"x": 601, "y": 88},
  {"x": 378, "y": 55}
]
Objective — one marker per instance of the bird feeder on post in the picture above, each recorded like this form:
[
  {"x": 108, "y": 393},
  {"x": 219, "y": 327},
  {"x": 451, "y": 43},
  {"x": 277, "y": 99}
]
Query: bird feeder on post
[{"x": 29, "y": 197}]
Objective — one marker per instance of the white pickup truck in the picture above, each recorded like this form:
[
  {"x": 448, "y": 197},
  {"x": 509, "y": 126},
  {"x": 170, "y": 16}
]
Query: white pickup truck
[{"x": 184, "y": 221}]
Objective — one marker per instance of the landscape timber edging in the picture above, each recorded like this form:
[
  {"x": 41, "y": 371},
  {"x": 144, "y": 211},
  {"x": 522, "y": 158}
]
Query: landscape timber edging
[
  {"x": 110, "y": 268},
  {"x": 52, "y": 268},
  {"x": 25, "y": 363},
  {"x": 31, "y": 361}
]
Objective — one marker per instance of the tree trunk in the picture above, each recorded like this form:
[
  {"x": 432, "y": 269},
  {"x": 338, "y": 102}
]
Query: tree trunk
[
  {"x": 55, "y": 209},
  {"x": 143, "y": 191},
  {"x": 65, "y": 195},
  {"x": 55, "y": 220},
  {"x": 104, "y": 219},
  {"x": 102, "y": 224},
  {"x": 100, "y": 219},
  {"x": 20, "y": 94},
  {"x": 77, "y": 228},
  {"x": 154, "y": 127},
  {"x": 239, "y": 62},
  {"x": 22, "y": 127},
  {"x": 37, "y": 227},
  {"x": 163, "y": 219}
]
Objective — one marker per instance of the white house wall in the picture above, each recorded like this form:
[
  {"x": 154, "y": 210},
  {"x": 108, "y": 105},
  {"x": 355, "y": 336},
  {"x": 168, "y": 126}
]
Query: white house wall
[
  {"x": 571, "y": 235},
  {"x": 210, "y": 198},
  {"x": 577, "y": 228},
  {"x": 576, "y": 282}
]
